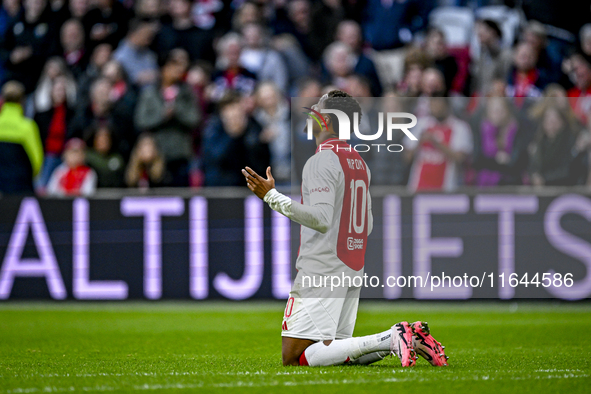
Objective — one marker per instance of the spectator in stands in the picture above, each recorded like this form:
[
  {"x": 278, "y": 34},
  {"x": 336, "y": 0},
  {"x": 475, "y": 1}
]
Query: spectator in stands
[
  {"x": 555, "y": 95},
  {"x": 568, "y": 17},
  {"x": 102, "y": 109},
  {"x": 325, "y": 16},
  {"x": 493, "y": 61},
  {"x": 338, "y": 60},
  {"x": 551, "y": 150},
  {"x": 99, "y": 57},
  {"x": 388, "y": 24},
  {"x": 97, "y": 110},
  {"x": 258, "y": 57},
  {"x": 580, "y": 94},
  {"x": 230, "y": 75},
  {"x": 212, "y": 14},
  {"x": 309, "y": 87},
  {"x": 498, "y": 88},
  {"x": 199, "y": 78},
  {"x": 9, "y": 11},
  {"x": 72, "y": 45},
  {"x": 273, "y": 114},
  {"x": 53, "y": 127},
  {"x": 247, "y": 13},
  {"x": 359, "y": 86},
  {"x": 170, "y": 112},
  {"x": 146, "y": 166},
  {"x": 297, "y": 22},
  {"x": 73, "y": 177},
  {"x": 181, "y": 57},
  {"x": 106, "y": 23},
  {"x": 298, "y": 64},
  {"x": 415, "y": 62},
  {"x": 388, "y": 169},
  {"x": 436, "y": 50},
  {"x": 500, "y": 146},
  {"x": 232, "y": 141},
  {"x": 148, "y": 10},
  {"x": 103, "y": 159},
  {"x": 123, "y": 98},
  {"x": 432, "y": 84},
  {"x": 138, "y": 60},
  {"x": 548, "y": 61},
  {"x": 54, "y": 68},
  {"x": 21, "y": 152},
  {"x": 349, "y": 32},
  {"x": 580, "y": 167},
  {"x": 28, "y": 43},
  {"x": 525, "y": 80},
  {"x": 78, "y": 8},
  {"x": 585, "y": 39},
  {"x": 444, "y": 143},
  {"x": 181, "y": 32}
]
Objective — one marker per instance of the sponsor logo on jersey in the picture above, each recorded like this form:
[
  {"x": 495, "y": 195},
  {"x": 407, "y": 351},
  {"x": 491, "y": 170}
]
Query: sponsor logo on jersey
[
  {"x": 324, "y": 189},
  {"x": 354, "y": 243}
]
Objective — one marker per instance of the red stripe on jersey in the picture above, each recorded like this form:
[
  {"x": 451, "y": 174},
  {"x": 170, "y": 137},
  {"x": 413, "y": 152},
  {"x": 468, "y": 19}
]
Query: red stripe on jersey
[{"x": 352, "y": 238}]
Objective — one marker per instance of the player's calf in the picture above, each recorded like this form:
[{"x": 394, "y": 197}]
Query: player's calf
[{"x": 397, "y": 340}]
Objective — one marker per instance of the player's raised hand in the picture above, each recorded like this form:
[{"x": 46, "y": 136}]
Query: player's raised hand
[{"x": 257, "y": 184}]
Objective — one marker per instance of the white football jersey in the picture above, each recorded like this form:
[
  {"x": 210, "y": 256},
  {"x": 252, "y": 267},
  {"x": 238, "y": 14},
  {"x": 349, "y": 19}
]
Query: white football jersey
[{"x": 338, "y": 176}]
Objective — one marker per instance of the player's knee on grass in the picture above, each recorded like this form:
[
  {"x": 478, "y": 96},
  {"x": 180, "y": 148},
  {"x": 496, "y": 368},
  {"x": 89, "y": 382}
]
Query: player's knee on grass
[
  {"x": 290, "y": 359},
  {"x": 292, "y": 350}
]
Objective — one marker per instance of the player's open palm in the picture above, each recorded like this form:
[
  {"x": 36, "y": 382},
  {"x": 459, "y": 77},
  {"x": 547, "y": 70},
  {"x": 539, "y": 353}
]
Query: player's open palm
[{"x": 259, "y": 185}]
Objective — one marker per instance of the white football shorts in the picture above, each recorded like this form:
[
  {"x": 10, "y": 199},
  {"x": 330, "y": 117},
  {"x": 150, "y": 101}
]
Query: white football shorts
[{"x": 321, "y": 318}]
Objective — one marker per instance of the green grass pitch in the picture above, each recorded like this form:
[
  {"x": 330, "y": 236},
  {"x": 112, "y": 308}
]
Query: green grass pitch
[{"x": 235, "y": 347}]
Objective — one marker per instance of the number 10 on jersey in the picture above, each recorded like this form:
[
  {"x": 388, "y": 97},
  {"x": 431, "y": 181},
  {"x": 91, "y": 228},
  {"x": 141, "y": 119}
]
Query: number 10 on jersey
[{"x": 355, "y": 205}]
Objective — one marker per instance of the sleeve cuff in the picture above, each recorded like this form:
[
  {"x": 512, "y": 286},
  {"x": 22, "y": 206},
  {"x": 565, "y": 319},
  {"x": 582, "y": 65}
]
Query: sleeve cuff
[{"x": 270, "y": 194}]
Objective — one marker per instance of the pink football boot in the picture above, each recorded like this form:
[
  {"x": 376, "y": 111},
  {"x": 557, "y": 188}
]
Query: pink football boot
[
  {"x": 401, "y": 344},
  {"x": 426, "y": 346}
]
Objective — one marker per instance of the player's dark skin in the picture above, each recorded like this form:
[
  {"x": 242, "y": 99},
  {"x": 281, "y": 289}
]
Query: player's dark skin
[{"x": 291, "y": 348}]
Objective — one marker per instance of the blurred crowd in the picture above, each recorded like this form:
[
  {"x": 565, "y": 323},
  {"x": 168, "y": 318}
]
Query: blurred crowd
[{"x": 152, "y": 93}]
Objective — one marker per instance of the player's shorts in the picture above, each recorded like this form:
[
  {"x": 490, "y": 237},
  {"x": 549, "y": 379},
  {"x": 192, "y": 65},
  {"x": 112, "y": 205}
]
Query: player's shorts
[{"x": 320, "y": 318}]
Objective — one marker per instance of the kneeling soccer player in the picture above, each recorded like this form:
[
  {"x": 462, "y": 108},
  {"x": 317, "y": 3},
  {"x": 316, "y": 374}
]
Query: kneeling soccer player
[{"x": 336, "y": 219}]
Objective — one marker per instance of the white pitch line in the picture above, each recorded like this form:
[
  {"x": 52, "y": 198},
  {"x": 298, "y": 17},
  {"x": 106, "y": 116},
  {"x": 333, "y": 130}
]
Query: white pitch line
[
  {"x": 236, "y": 384},
  {"x": 239, "y": 373}
]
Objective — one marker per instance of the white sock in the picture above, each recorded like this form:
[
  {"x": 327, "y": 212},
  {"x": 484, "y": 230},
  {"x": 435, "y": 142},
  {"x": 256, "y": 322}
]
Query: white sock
[
  {"x": 371, "y": 358},
  {"x": 343, "y": 350}
]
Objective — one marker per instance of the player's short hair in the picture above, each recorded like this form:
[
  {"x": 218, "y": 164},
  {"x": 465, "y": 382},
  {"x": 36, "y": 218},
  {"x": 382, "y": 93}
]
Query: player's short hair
[{"x": 343, "y": 101}]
